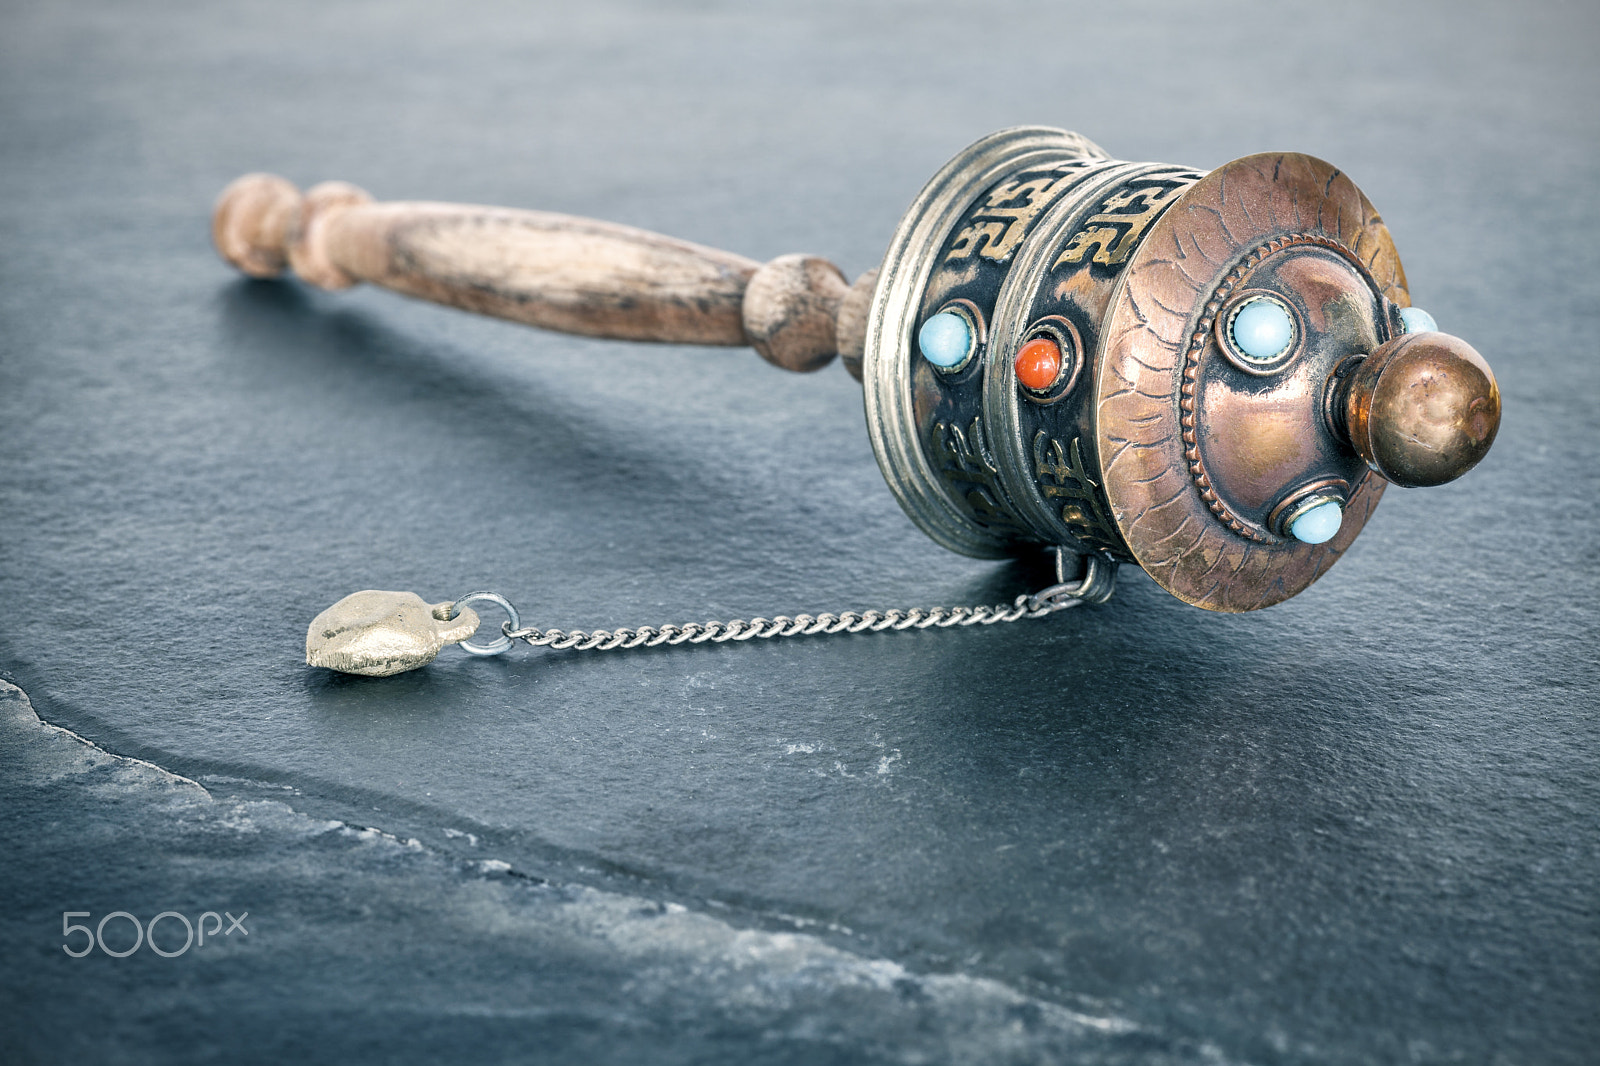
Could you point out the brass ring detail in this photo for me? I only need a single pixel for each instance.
(972, 314)
(1229, 346)
(1065, 334)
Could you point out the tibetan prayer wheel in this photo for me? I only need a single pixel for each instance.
(1212, 376)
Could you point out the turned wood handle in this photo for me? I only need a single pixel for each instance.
(555, 271)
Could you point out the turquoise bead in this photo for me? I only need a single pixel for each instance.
(1262, 330)
(945, 340)
(1416, 320)
(1318, 524)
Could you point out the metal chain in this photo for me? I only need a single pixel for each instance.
(1094, 587)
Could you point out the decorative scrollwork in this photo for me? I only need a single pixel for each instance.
(1116, 230)
(967, 465)
(1010, 209)
(1063, 476)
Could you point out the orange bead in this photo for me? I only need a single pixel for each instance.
(1039, 363)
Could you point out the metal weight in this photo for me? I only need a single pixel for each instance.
(379, 634)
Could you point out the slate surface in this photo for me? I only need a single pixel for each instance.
(1357, 827)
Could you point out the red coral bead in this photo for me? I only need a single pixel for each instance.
(1039, 363)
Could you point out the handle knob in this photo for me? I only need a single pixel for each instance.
(1422, 409)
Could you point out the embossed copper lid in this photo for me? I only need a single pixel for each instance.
(1206, 451)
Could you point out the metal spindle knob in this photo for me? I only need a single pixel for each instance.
(1422, 409)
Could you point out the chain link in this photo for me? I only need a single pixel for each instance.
(1094, 587)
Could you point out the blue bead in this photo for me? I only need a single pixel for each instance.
(1262, 330)
(945, 339)
(1318, 524)
(1416, 320)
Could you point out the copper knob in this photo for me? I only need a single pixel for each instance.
(1422, 409)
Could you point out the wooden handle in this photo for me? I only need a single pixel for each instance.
(575, 275)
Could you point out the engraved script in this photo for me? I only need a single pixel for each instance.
(1114, 231)
(964, 459)
(1062, 476)
(1007, 213)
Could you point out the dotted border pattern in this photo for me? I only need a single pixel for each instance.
(1145, 346)
(1197, 347)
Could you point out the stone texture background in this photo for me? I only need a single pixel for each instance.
(1356, 827)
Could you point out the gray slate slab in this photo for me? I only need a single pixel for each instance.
(1357, 827)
